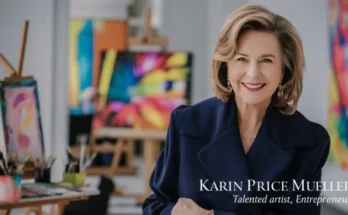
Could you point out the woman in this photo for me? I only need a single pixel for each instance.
(248, 150)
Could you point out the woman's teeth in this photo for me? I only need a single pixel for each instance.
(253, 86)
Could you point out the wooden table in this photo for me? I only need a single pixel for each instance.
(61, 201)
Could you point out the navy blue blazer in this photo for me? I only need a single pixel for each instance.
(203, 143)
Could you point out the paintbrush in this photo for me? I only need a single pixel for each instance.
(37, 162)
(12, 163)
(3, 163)
(82, 155)
(3, 159)
(50, 161)
(89, 162)
(70, 166)
(70, 156)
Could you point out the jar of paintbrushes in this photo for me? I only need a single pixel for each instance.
(75, 169)
(10, 179)
(43, 169)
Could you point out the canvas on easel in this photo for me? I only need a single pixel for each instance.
(22, 119)
(20, 110)
(140, 89)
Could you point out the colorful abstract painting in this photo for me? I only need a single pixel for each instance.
(141, 89)
(88, 38)
(338, 86)
(22, 119)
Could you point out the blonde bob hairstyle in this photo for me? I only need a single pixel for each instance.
(258, 18)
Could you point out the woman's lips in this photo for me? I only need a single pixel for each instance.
(254, 86)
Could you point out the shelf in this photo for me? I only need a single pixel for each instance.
(158, 41)
(130, 133)
(103, 170)
(102, 148)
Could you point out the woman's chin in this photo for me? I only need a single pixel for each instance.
(254, 100)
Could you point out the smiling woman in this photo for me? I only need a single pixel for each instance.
(260, 49)
(250, 131)
(256, 67)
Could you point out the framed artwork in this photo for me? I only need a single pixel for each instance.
(338, 85)
(22, 119)
(141, 89)
(88, 38)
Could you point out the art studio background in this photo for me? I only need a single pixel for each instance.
(69, 100)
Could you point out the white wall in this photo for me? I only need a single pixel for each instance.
(187, 25)
(99, 8)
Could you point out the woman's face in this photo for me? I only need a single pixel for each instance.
(255, 71)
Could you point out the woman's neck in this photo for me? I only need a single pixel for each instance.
(250, 116)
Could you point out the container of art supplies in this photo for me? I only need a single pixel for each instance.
(42, 175)
(75, 179)
(10, 188)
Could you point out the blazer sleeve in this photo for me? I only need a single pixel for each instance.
(164, 178)
(314, 174)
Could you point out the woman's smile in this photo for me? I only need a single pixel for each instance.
(254, 87)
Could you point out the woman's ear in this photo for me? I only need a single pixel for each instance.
(281, 77)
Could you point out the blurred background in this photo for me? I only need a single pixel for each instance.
(110, 71)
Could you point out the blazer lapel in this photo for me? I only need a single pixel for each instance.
(267, 156)
(223, 157)
(224, 160)
(267, 159)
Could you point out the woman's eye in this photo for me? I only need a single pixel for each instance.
(242, 59)
(267, 60)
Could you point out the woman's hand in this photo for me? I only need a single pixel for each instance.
(186, 206)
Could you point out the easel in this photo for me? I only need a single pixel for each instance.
(148, 39)
(124, 146)
(126, 137)
(151, 140)
(16, 76)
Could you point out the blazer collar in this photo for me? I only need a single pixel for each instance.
(223, 156)
(211, 118)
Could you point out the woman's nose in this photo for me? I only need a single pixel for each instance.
(253, 70)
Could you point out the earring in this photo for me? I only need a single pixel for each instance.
(280, 91)
(229, 87)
